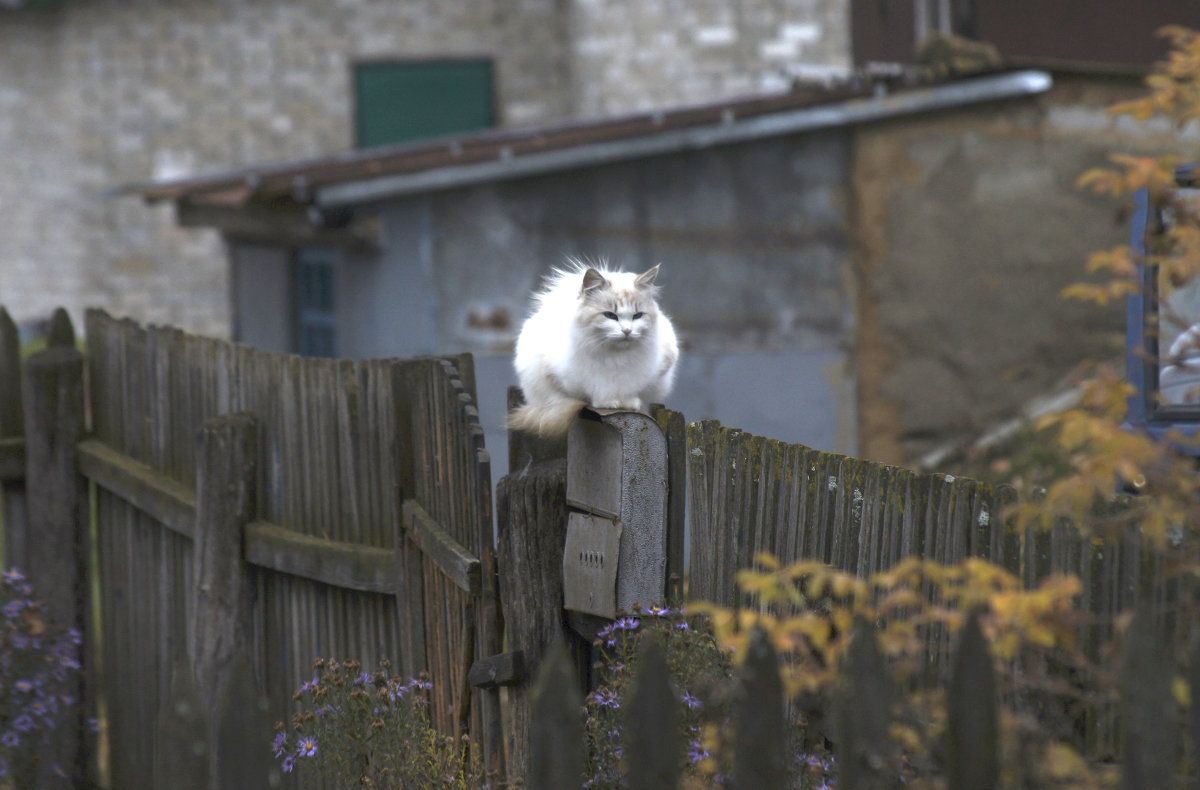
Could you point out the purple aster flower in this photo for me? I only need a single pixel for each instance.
(306, 747)
(10, 739)
(24, 722)
(691, 701)
(23, 686)
(607, 698)
(289, 763)
(697, 752)
(278, 744)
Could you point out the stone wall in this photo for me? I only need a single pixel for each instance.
(98, 93)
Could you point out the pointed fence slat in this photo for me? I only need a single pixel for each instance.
(653, 738)
(1148, 710)
(759, 745)
(862, 715)
(556, 757)
(973, 729)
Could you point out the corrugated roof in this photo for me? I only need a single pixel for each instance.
(363, 175)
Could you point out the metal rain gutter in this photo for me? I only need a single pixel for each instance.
(730, 130)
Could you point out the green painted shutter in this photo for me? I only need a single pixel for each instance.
(413, 100)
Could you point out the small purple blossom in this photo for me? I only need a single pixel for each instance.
(277, 745)
(607, 698)
(289, 763)
(690, 700)
(306, 747)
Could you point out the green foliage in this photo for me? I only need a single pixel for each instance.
(360, 729)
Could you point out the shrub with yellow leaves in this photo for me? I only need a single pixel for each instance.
(1048, 688)
(1103, 454)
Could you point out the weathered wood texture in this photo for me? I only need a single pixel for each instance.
(531, 509)
(56, 543)
(748, 494)
(12, 444)
(318, 490)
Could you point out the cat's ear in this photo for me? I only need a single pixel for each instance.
(646, 278)
(593, 280)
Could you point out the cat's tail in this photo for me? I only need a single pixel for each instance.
(548, 419)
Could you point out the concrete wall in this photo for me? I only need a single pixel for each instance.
(753, 243)
(968, 225)
(98, 93)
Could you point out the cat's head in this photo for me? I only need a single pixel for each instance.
(618, 307)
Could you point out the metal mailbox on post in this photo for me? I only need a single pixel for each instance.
(616, 546)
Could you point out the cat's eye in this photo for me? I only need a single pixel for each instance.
(636, 316)
(610, 315)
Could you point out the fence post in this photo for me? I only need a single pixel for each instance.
(556, 750)
(758, 757)
(973, 730)
(226, 477)
(653, 723)
(1151, 735)
(531, 523)
(57, 547)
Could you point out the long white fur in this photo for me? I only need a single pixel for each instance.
(569, 354)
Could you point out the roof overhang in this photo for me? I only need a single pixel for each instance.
(314, 200)
(730, 129)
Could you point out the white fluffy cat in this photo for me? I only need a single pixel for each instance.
(596, 338)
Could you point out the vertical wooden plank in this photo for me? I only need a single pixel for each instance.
(1151, 736)
(862, 715)
(12, 418)
(59, 329)
(653, 737)
(12, 426)
(181, 736)
(556, 758)
(790, 518)
(531, 511)
(243, 715)
(56, 561)
(759, 748)
(673, 425)
(702, 519)
(972, 749)
(226, 476)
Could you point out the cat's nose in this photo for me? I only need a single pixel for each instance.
(627, 330)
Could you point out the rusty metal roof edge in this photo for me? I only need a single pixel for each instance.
(852, 111)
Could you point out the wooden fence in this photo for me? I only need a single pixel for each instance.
(866, 757)
(748, 494)
(252, 512)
